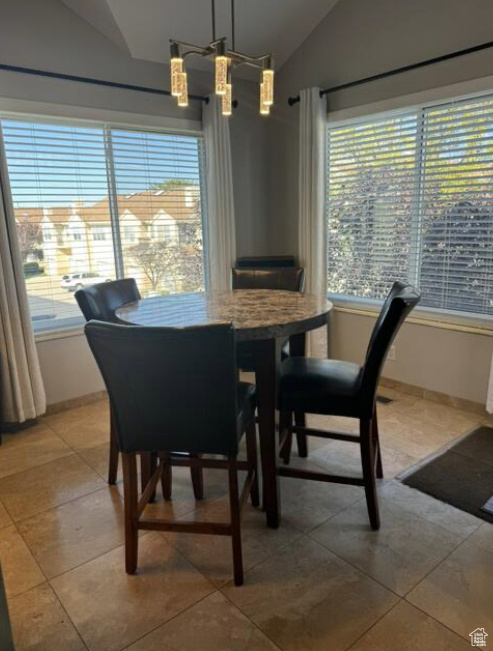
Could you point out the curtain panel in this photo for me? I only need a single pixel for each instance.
(221, 239)
(22, 393)
(312, 228)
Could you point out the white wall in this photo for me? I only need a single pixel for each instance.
(357, 39)
(47, 35)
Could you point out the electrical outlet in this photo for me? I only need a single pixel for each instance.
(391, 354)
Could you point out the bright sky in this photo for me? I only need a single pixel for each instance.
(53, 165)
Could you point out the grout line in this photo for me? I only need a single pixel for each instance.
(461, 542)
(353, 644)
(68, 617)
(168, 621)
(236, 607)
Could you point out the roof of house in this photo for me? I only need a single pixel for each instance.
(144, 205)
(58, 215)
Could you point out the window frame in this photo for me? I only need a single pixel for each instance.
(430, 315)
(107, 120)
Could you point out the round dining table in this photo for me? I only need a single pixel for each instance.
(266, 318)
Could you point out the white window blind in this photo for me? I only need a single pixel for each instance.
(95, 203)
(410, 197)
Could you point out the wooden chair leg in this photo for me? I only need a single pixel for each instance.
(301, 439)
(114, 452)
(167, 479)
(376, 440)
(234, 505)
(251, 442)
(148, 464)
(131, 501)
(368, 463)
(197, 480)
(285, 422)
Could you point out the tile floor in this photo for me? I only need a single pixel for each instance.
(323, 581)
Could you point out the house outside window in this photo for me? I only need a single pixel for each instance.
(154, 173)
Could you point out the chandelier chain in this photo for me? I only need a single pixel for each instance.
(213, 7)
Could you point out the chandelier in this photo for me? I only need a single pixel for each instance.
(225, 61)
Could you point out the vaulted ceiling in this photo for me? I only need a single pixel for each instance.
(144, 27)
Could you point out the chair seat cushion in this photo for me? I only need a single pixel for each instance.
(320, 386)
(247, 403)
(244, 355)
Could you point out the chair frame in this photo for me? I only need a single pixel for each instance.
(134, 507)
(148, 461)
(368, 439)
(371, 457)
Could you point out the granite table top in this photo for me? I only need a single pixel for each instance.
(255, 314)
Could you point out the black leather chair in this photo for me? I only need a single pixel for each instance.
(278, 272)
(291, 279)
(337, 388)
(176, 391)
(100, 302)
(265, 261)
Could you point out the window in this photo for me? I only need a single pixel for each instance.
(99, 233)
(85, 197)
(410, 196)
(129, 234)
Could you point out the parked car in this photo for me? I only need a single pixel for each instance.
(73, 282)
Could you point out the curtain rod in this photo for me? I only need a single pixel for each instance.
(95, 82)
(414, 66)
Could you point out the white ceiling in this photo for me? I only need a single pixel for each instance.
(144, 27)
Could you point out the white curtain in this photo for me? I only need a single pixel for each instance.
(23, 395)
(311, 219)
(220, 208)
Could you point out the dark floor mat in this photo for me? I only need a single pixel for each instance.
(461, 476)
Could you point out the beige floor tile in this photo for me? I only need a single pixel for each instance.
(111, 609)
(396, 461)
(341, 457)
(457, 522)
(47, 486)
(212, 555)
(411, 435)
(459, 592)
(307, 599)
(98, 458)
(396, 396)
(84, 427)
(484, 536)
(455, 421)
(74, 533)
(39, 622)
(211, 625)
(20, 570)
(306, 504)
(183, 500)
(408, 629)
(5, 518)
(28, 448)
(399, 555)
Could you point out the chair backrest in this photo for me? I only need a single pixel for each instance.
(265, 261)
(288, 278)
(100, 301)
(170, 389)
(401, 299)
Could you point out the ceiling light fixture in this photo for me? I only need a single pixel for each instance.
(225, 61)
